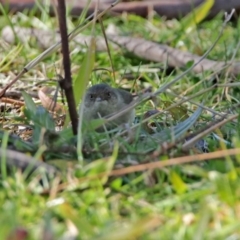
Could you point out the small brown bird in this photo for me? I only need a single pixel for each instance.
(101, 100)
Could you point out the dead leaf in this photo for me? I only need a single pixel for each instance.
(49, 103)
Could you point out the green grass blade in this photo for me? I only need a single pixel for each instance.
(30, 104)
(83, 76)
(197, 15)
(4, 157)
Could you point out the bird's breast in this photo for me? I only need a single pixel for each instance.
(104, 108)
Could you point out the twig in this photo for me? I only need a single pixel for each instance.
(12, 82)
(193, 140)
(156, 165)
(66, 83)
(195, 136)
(13, 101)
(194, 103)
(108, 49)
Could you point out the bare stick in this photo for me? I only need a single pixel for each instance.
(157, 165)
(108, 49)
(12, 82)
(193, 140)
(66, 83)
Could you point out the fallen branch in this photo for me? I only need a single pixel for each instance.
(142, 48)
(169, 9)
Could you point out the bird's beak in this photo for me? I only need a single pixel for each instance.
(98, 99)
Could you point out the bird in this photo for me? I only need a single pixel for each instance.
(102, 100)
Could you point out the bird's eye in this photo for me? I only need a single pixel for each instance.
(91, 96)
(108, 94)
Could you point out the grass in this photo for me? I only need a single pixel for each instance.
(186, 201)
